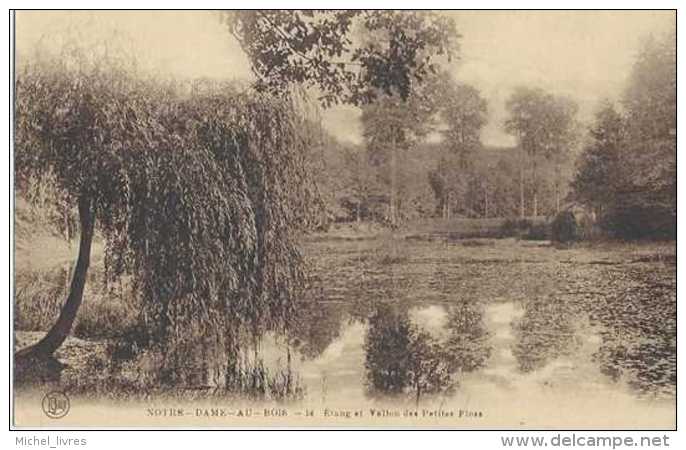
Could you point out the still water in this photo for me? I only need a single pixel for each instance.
(498, 333)
(582, 348)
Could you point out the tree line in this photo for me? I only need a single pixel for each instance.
(423, 157)
(399, 174)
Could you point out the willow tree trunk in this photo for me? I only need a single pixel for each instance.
(61, 329)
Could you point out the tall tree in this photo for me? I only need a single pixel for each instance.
(462, 114)
(328, 50)
(650, 96)
(448, 180)
(646, 199)
(543, 125)
(562, 133)
(354, 57)
(524, 107)
(596, 177)
(361, 181)
(391, 127)
(627, 173)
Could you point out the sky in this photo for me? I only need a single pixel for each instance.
(586, 55)
(185, 44)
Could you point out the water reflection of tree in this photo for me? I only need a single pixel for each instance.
(251, 378)
(468, 343)
(401, 359)
(544, 333)
(387, 347)
(316, 325)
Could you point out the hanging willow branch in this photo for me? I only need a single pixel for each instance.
(198, 191)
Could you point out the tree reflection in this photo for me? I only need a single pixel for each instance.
(316, 325)
(468, 342)
(401, 359)
(387, 348)
(544, 333)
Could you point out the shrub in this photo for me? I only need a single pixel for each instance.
(508, 228)
(38, 298)
(524, 229)
(104, 314)
(639, 222)
(524, 224)
(537, 232)
(564, 228)
(102, 317)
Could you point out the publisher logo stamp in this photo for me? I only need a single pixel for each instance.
(55, 404)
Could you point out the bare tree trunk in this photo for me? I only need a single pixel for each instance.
(447, 205)
(61, 329)
(361, 191)
(485, 201)
(557, 186)
(535, 187)
(394, 173)
(521, 187)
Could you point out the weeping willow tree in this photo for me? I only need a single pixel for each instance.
(196, 189)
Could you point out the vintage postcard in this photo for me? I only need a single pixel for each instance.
(344, 218)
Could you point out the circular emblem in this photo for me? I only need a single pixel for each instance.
(55, 404)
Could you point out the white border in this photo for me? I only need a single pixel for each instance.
(276, 439)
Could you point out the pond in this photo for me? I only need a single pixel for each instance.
(469, 333)
(514, 334)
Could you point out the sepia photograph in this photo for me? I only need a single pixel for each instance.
(366, 219)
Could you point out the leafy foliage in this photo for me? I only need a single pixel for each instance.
(392, 127)
(468, 347)
(463, 114)
(598, 163)
(565, 228)
(544, 125)
(322, 50)
(402, 358)
(628, 171)
(197, 189)
(529, 229)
